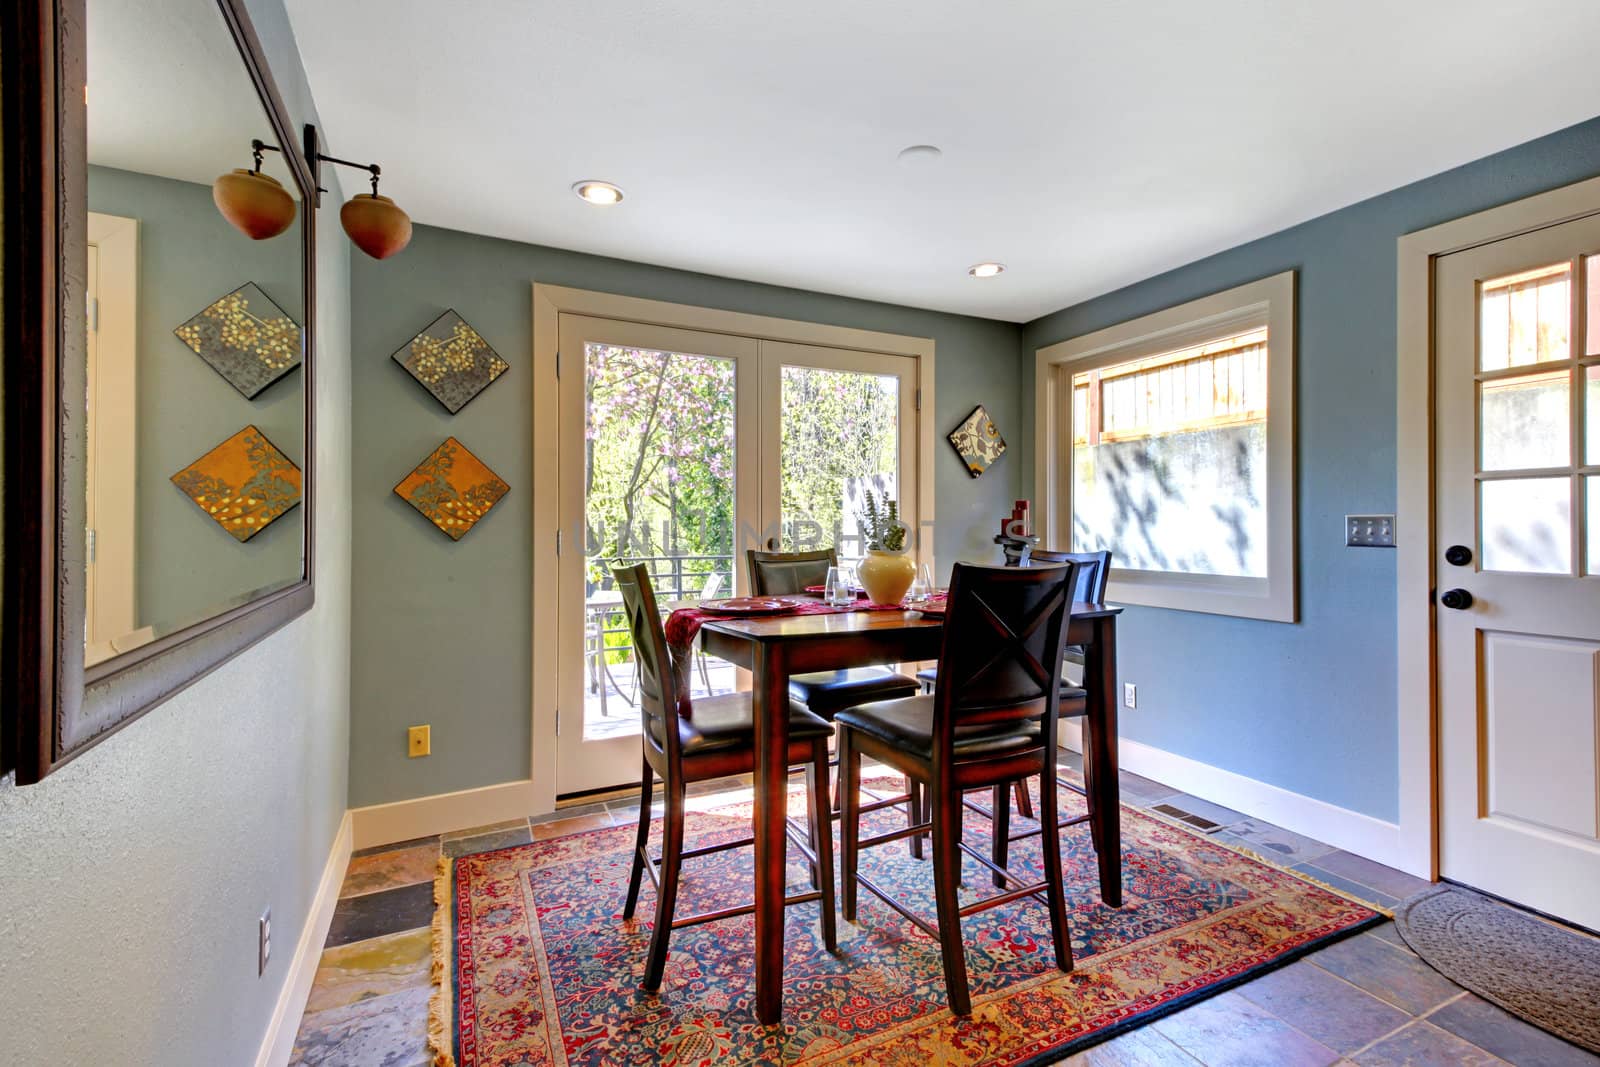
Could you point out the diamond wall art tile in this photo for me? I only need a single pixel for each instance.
(978, 442)
(244, 484)
(452, 488)
(246, 338)
(452, 361)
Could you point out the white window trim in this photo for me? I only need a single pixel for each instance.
(1270, 301)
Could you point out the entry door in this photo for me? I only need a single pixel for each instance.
(658, 466)
(1518, 568)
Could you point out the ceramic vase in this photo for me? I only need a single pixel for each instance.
(886, 575)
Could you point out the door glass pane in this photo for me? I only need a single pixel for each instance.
(658, 483)
(1527, 525)
(1591, 279)
(840, 437)
(1592, 414)
(1525, 318)
(1525, 422)
(1592, 491)
(1169, 459)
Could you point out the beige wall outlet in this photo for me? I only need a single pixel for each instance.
(420, 741)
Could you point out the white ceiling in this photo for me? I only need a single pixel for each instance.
(168, 94)
(1086, 146)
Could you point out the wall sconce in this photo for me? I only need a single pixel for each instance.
(259, 207)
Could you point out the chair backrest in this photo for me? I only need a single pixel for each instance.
(788, 573)
(1000, 661)
(660, 698)
(1094, 571)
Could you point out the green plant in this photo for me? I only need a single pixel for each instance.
(880, 523)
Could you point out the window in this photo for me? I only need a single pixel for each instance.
(1169, 441)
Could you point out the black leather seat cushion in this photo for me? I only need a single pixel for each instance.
(907, 724)
(1074, 701)
(827, 693)
(723, 722)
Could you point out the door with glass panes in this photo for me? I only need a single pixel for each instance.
(681, 450)
(1517, 343)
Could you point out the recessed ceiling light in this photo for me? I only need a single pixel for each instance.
(986, 270)
(595, 192)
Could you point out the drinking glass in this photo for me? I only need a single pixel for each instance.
(925, 581)
(917, 592)
(852, 584)
(835, 590)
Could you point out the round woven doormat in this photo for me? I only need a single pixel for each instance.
(1546, 974)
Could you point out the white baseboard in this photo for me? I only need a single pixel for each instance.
(1349, 830)
(382, 824)
(278, 1043)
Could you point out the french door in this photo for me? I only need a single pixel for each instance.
(680, 450)
(1517, 327)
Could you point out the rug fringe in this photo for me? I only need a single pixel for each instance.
(441, 1007)
(1266, 861)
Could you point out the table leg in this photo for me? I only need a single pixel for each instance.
(771, 697)
(1100, 674)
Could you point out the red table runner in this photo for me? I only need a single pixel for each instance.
(683, 626)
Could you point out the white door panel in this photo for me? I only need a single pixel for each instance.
(1517, 401)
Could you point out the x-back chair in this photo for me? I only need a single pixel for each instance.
(696, 740)
(990, 721)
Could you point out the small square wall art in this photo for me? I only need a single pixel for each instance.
(452, 361)
(978, 442)
(243, 485)
(246, 338)
(452, 488)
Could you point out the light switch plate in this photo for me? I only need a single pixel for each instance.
(1369, 531)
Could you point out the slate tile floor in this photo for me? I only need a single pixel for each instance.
(1366, 1000)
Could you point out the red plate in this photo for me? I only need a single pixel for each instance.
(746, 605)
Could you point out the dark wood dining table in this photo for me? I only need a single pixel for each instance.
(775, 647)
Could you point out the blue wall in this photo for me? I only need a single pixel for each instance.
(1309, 707)
(441, 630)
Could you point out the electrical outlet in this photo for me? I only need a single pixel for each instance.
(264, 942)
(419, 741)
(1130, 695)
(1369, 531)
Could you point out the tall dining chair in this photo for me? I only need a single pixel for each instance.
(1094, 571)
(825, 693)
(990, 721)
(688, 741)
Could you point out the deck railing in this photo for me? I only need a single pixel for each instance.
(676, 580)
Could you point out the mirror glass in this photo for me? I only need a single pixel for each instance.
(195, 403)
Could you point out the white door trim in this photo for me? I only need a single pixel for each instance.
(1414, 492)
(549, 303)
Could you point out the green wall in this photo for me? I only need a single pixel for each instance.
(189, 256)
(442, 630)
(132, 879)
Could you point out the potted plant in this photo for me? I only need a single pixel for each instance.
(886, 572)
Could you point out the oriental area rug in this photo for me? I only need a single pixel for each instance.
(535, 965)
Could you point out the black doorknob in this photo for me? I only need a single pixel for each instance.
(1458, 555)
(1456, 599)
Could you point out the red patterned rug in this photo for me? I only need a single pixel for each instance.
(539, 967)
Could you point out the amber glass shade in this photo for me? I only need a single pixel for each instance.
(375, 224)
(254, 202)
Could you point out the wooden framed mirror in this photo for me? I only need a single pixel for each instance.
(157, 363)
